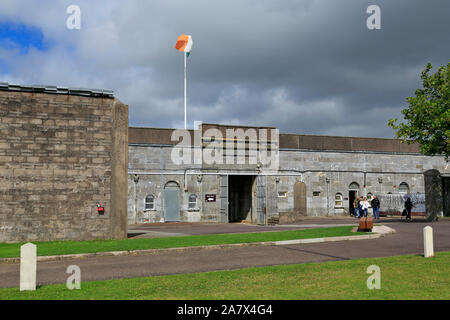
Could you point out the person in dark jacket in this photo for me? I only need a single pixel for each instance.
(408, 207)
(356, 207)
(375, 203)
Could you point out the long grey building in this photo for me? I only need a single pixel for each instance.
(198, 176)
(72, 169)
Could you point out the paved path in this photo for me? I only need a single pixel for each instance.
(407, 240)
(182, 229)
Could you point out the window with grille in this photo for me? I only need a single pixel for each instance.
(192, 202)
(338, 200)
(282, 194)
(150, 202)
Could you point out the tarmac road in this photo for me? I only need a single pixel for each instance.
(407, 240)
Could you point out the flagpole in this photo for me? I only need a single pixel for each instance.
(185, 102)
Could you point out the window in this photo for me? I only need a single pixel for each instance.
(192, 202)
(354, 186)
(150, 202)
(282, 194)
(403, 188)
(316, 193)
(338, 200)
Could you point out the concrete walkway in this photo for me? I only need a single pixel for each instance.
(183, 229)
(408, 239)
(377, 232)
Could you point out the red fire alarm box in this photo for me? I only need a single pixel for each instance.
(100, 209)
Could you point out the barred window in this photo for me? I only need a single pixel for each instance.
(338, 200)
(282, 194)
(150, 202)
(192, 201)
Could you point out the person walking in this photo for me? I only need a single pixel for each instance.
(408, 207)
(356, 207)
(375, 203)
(364, 206)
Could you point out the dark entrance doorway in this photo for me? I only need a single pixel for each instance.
(351, 199)
(353, 192)
(446, 187)
(240, 198)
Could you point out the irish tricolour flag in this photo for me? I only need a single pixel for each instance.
(184, 44)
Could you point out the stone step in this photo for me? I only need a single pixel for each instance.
(273, 221)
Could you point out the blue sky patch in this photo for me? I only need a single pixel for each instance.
(4, 68)
(22, 37)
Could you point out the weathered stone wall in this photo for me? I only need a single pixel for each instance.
(376, 173)
(59, 155)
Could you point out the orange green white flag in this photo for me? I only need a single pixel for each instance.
(184, 44)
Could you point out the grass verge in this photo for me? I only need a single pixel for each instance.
(74, 247)
(402, 277)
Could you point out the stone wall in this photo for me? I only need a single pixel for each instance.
(59, 155)
(375, 173)
(325, 173)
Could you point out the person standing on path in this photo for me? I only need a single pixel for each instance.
(375, 203)
(408, 207)
(365, 206)
(356, 207)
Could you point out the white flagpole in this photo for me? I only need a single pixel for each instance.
(185, 103)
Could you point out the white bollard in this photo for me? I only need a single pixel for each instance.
(428, 242)
(28, 260)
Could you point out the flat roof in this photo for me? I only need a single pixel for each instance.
(162, 136)
(5, 86)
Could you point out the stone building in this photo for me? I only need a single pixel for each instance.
(313, 176)
(62, 151)
(66, 152)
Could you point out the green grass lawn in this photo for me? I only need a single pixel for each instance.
(74, 247)
(402, 277)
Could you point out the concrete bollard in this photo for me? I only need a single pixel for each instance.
(28, 260)
(428, 242)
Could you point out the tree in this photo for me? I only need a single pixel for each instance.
(428, 115)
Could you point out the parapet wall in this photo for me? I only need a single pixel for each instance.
(60, 154)
(159, 136)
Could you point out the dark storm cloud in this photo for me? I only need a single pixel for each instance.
(303, 66)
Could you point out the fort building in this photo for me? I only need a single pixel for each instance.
(63, 154)
(72, 169)
(312, 176)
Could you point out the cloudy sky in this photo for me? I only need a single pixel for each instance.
(304, 66)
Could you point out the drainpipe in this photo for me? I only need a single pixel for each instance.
(136, 180)
(328, 196)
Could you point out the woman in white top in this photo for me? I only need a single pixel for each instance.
(365, 206)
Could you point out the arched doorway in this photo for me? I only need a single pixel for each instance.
(353, 192)
(172, 202)
(300, 198)
(403, 188)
